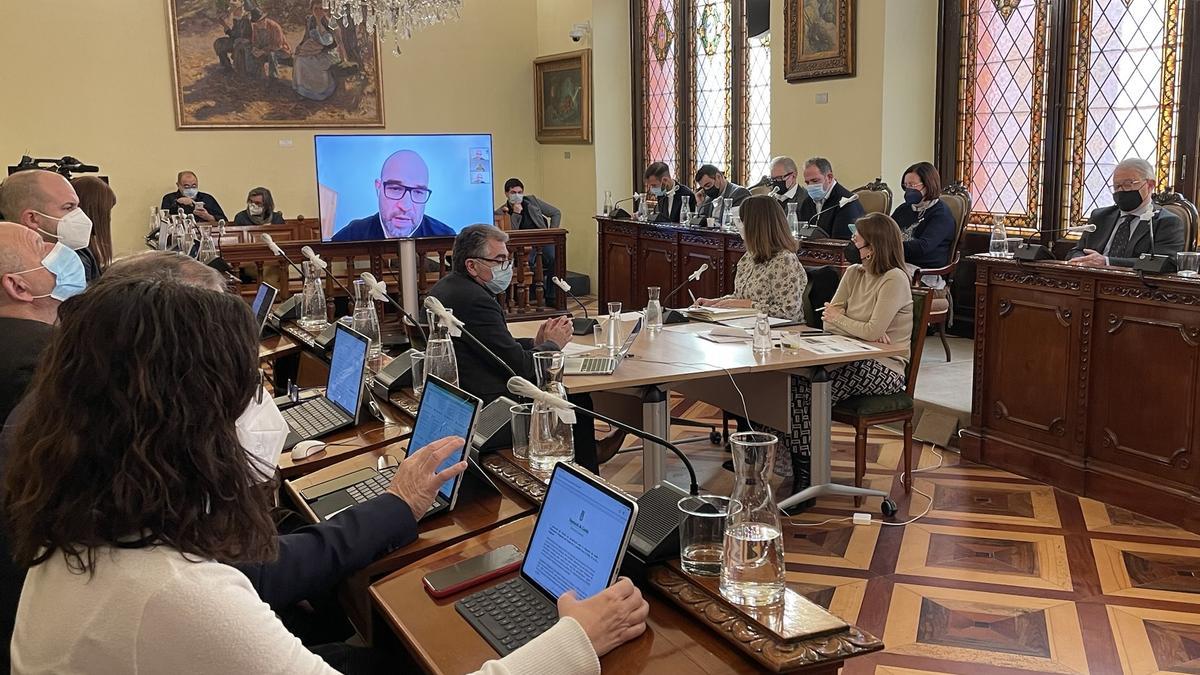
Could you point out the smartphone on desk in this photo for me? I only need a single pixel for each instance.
(473, 571)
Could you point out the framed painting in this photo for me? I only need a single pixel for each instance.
(818, 39)
(271, 63)
(562, 85)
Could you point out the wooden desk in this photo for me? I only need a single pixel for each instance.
(1089, 379)
(370, 436)
(634, 255)
(470, 517)
(441, 641)
(273, 347)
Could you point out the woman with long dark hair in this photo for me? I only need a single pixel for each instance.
(97, 200)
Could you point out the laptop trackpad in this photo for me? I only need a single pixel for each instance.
(331, 504)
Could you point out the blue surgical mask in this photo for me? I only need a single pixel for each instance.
(69, 277)
(657, 191)
(501, 278)
(816, 192)
(190, 192)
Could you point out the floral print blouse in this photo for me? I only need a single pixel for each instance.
(775, 287)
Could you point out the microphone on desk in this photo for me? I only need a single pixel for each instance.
(315, 259)
(671, 316)
(458, 328)
(622, 213)
(279, 252)
(812, 230)
(656, 531)
(1152, 263)
(290, 308)
(582, 326)
(378, 291)
(1027, 251)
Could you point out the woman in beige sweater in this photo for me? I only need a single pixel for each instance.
(873, 303)
(769, 277)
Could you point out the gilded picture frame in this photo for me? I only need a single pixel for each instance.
(562, 85)
(819, 39)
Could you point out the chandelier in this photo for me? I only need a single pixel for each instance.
(401, 18)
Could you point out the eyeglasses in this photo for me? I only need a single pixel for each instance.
(1129, 185)
(397, 191)
(915, 186)
(504, 263)
(790, 173)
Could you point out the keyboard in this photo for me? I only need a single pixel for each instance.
(372, 487)
(597, 364)
(314, 418)
(508, 615)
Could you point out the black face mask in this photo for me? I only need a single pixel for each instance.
(913, 197)
(853, 255)
(712, 192)
(779, 184)
(1128, 200)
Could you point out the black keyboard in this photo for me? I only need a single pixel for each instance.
(372, 487)
(314, 418)
(508, 615)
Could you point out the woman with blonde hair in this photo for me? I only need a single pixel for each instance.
(769, 277)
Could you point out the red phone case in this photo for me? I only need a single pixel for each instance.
(468, 583)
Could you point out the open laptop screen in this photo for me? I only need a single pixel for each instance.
(445, 411)
(262, 304)
(346, 370)
(580, 536)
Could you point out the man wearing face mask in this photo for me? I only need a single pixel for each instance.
(527, 212)
(785, 182)
(188, 197)
(45, 202)
(669, 193)
(716, 187)
(822, 206)
(1131, 226)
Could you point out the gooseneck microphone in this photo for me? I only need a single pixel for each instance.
(458, 327)
(316, 260)
(582, 326)
(694, 276)
(279, 252)
(1027, 251)
(378, 291)
(617, 212)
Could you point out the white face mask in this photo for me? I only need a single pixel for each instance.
(74, 229)
(262, 431)
(254, 209)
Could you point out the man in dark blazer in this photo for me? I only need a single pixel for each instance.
(822, 206)
(669, 192)
(402, 191)
(1131, 226)
(716, 187)
(187, 196)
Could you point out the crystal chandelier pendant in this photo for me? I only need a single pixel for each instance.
(401, 18)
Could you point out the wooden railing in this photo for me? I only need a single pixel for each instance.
(298, 229)
(347, 260)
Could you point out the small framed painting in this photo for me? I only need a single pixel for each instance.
(818, 39)
(563, 89)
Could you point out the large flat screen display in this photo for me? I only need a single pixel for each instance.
(375, 187)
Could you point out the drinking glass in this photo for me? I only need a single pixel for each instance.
(613, 329)
(1189, 263)
(598, 337)
(418, 373)
(702, 534)
(522, 415)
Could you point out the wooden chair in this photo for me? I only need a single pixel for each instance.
(875, 197)
(958, 200)
(864, 412)
(1180, 206)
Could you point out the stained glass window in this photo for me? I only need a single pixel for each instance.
(1002, 104)
(659, 96)
(1126, 95)
(711, 83)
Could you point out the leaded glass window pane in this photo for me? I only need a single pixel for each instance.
(659, 67)
(711, 75)
(758, 109)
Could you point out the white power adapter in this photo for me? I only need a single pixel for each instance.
(862, 519)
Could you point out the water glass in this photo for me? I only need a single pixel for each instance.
(1189, 263)
(522, 415)
(613, 330)
(702, 534)
(598, 337)
(418, 373)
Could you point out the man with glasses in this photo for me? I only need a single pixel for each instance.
(785, 185)
(1132, 226)
(403, 191)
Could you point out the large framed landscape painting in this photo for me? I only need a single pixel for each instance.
(563, 87)
(818, 39)
(271, 63)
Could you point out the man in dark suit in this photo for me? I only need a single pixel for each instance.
(822, 206)
(1131, 227)
(187, 196)
(402, 190)
(716, 187)
(670, 193)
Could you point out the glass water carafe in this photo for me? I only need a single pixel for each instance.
(550, 438)
(654, 310)
(752, 571)
(440, 360)
(365, 320)
(793, 220)
(313, 313)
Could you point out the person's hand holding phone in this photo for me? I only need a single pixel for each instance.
(417, 479)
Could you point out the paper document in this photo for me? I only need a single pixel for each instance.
(831, 344)
(723, 339)
(576, 349)
(748, 322)
(720, 313)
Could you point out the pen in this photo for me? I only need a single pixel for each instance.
(693, 295)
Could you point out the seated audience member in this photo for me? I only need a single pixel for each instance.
(822, 206)
(260, 209)
(45, 201)
(187, 196)
(769, 276)
(785, 183)
(1123, 231)
(129, 549)
(715, 187)
(873, 303)
(402, 191)
(668, 191)
(927, 226)
(483, 270)
(97, 200)
(527, 212)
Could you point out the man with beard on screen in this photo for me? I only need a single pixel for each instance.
(403, 190)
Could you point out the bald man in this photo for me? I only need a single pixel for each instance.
(45, 202)
(188, 198)
(402, 190)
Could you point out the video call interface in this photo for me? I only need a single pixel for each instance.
(373, 187)
(577, 538)
(346, 371)
(442, 414)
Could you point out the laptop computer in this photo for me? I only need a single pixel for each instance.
(601, 365)
(339, 407)
(445, 411)
(262, 305)
(577, 544)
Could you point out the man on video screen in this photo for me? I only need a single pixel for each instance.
(403, 190)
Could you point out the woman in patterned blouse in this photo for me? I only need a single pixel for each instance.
(769, 277)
